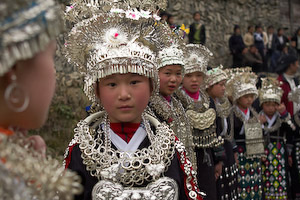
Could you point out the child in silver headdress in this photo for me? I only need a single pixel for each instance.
(202, 116)
(272, 116)
(122, 152)
(247, 132)
(164, 105)
(215, 84)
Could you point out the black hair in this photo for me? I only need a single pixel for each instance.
(285, 62)
(164, 13)
(236, 27)
(195, 13)
(257, 27)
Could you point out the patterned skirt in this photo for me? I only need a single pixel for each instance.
(227, 182)
(274, 172)
(249, 176)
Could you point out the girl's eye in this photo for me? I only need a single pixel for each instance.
(178, 74)
(134, 82)
(112, 84)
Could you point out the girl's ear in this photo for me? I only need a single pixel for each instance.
(151, 85)
(7, 77)
(96, 87)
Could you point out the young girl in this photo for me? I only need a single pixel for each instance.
(200, 110)
(164, 105)
(27, 82)
(215, 86)
(245, 127)
(272, 115)
(122, 152)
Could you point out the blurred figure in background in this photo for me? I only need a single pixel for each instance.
(248, 37)
(197, 30)
(236, 46)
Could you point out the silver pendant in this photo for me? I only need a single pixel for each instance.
(162, 189)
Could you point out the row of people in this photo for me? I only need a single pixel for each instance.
(260, 50)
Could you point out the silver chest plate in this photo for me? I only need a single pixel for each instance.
(162, 189)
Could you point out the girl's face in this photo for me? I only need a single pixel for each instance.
(192, 81)
(269, 108)
(170, 78)
(36, 77)
(124, 96)
(246, 101)
(294, 67)
(217, 90)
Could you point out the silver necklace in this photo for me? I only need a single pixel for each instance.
(127, 168)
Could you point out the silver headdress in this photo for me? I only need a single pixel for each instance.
(270, 90)
(214, 76)
(26, 27)
(170, 49)
(196, 57)
(109, 44)
(84, 9)
(242, 82)
(171, 55)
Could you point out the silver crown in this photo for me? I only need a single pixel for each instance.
(111, 43)
(26, 27)
(197, 57)
(172, 55)
(270, 90)
(214, 76)
(242, 81)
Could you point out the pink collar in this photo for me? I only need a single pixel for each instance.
(195, 95)
(168, 98)
(244, 111)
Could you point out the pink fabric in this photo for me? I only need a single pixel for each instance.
(244, 111)
(195, 95)
(168, 98)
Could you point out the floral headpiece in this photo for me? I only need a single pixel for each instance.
(214, 76)
(197, 57)
(270, 90)
(242, 82)
(26, 28)
(109, 44)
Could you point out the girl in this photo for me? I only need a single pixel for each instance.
(200, 110)
(272, 115)
(27, 82)
(215, 87)
(245, 127)
(122, 152)
(164, 105)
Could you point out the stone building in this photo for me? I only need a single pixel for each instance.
(220, 16)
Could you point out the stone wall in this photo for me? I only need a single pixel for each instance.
(220, 16)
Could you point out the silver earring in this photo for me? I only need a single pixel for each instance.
(15, 97)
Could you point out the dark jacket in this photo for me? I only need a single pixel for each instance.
(281, 45)
(236, 44)
(193, 32)
(273, 43)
